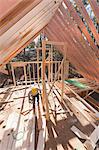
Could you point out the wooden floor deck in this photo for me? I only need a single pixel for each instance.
(17, 121)
(63, 115)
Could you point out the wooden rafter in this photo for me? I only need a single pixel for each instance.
(63, 37)
(18, 40)
(95, 8)
(19, 10)
(17, 51)
(80, 24)
(88, 20)
(29, 22)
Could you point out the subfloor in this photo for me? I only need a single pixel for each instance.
(64, 115)
(16, 115)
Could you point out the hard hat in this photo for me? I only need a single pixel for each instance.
(34, 91)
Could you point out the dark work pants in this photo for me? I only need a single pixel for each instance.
(34, 100)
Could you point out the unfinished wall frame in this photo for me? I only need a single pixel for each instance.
(44, 70)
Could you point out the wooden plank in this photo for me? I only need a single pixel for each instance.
(18, 64)
(94, 137)
(80, 134)
(82, 100)
(56, 75)
(29, 20)
(49, 66)
(63, 37)
(38, 115)
(12, 123)
(51, 63)
(41, 138)
(7, 56)
(29, 72)
(15, 14)
(38, 66)
(44, 96)
(54, 43)
(80, 24)
(32, 136)
(76, 144)
(88, 20)
(25, 74)
(18, 134)
(83, 109)
(95, 8)
(13, 75)
(63, 72)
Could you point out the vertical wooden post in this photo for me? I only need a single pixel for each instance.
(30, 72)
(38, 65)
(66, 68)
(59, 71)
(63, 74)
(62, 71)
(49, 66)
(51, 63)
(33, 71)
(25, 74)
(55, 68)
(44, 95)
(13, 75)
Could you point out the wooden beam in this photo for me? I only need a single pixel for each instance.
(13, 75)
(49, 67)
(38, 65)
(88, 20)
(25, 74)
(15, 14)
(95, 8)
(51, 63)
(73, 58)
(29, 65)
(4, 71)
(44, 96)
(29, 21)
(30, 35)
(81, 25)
(56, 76)
(63, 72)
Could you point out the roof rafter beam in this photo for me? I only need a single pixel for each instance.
(27, 20)
(16, 13)
(95, 8)
(77, 34)
(80, 24)
(88, 20)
